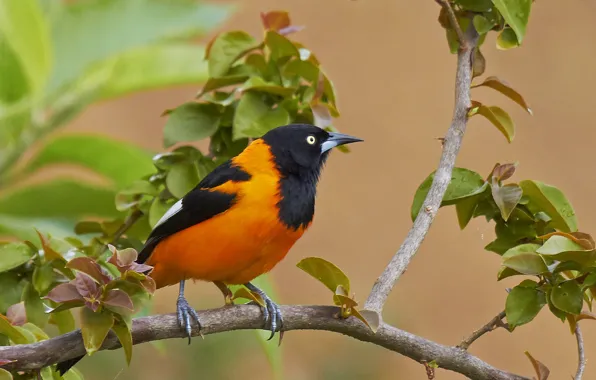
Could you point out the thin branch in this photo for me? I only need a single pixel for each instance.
(453, 19)
(451, 146)
(493, 324)
(581, 354)
(242, 317)
(132, 219)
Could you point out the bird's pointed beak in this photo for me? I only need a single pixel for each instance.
(336, 139)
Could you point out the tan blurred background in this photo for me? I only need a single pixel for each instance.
(394, 75)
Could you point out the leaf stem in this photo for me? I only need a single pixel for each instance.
(463, 41)
(493, 324)
(581, 354)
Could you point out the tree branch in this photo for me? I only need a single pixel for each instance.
(581, 365)
(451, 146)
(241, 317)
(494, 323)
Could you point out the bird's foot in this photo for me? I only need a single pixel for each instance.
(271, 312)
(185, 313)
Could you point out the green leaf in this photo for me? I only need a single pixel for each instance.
(13, 255)
(280, 46)
(254, 117)
(5, 375)
(58, 198)
(12, 285)
(154, 22)
(182, 178)
(124, 335)
(552, 201)
(505, 89)
(522, 248)
(326, 272)
(507, 39)
(464, 183)
(157, 210)
(498, 117)
(465, 209)
(63, 320)
(14, 85)
(482, 24)
(523, 304)
(506, 197)
(95, 328)
(216, 83)
(526, 263)
(119, 161)
(153, 67)
(476, 5)
(258, 84)
(23, 25)
(12, 332)
(564, 249)
(43, 277)
(36, 331)
(34, 306)
(226, 49)
(568, 297)
(191, 122)
(516, 13)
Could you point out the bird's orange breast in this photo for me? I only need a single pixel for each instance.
(237, 245)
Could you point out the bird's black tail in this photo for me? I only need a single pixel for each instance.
(64, 366)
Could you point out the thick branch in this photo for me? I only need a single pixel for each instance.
(494, 323)
(581, 354)
(451, 146)
(68, 346)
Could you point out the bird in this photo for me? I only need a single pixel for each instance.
(240, 220)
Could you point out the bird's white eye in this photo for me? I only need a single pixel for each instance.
(311, 139)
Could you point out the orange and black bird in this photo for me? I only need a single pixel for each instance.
(241, 219)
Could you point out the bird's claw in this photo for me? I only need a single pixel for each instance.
(271, 315)
(185, 312)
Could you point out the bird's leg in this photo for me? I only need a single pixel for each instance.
(185, 313)
(271, 312)
(227, 293)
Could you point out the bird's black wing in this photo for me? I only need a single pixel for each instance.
(197, 206)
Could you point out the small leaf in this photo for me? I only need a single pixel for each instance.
(516, 13)
(242, 292)
(118, 301)
(505, 89)
(226, 49)
(64, 293)
(34, 306)
(182, 178)
(541, 370)
(562, 248)
(13, 255)
(506, 197)
(275, 20)
(158, 208)
(4, 374)
(191, 122)
(370, 318)
(124, 335)
(254, 118)
(95, 328)
(475, 5)
(258, 84)
(465, 209)
(498, 117)
(478, 63)
(49, 252)
(16, 314)
(37, 332)
(89, 267)
(464, 183)
(507, 39)
(329, 274)
(567, 297)
(552, 201)
(526, 263)
(280, 46)
(503, 172)
(63, 320)
(12, 332)
(219, 82)
(86, 286)
(43, 277)
(482, 24)
(523, 304)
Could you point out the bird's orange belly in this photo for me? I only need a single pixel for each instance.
(234, 247)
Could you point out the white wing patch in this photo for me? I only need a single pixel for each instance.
(176, 207)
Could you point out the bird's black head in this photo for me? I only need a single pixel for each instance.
(303, 148)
